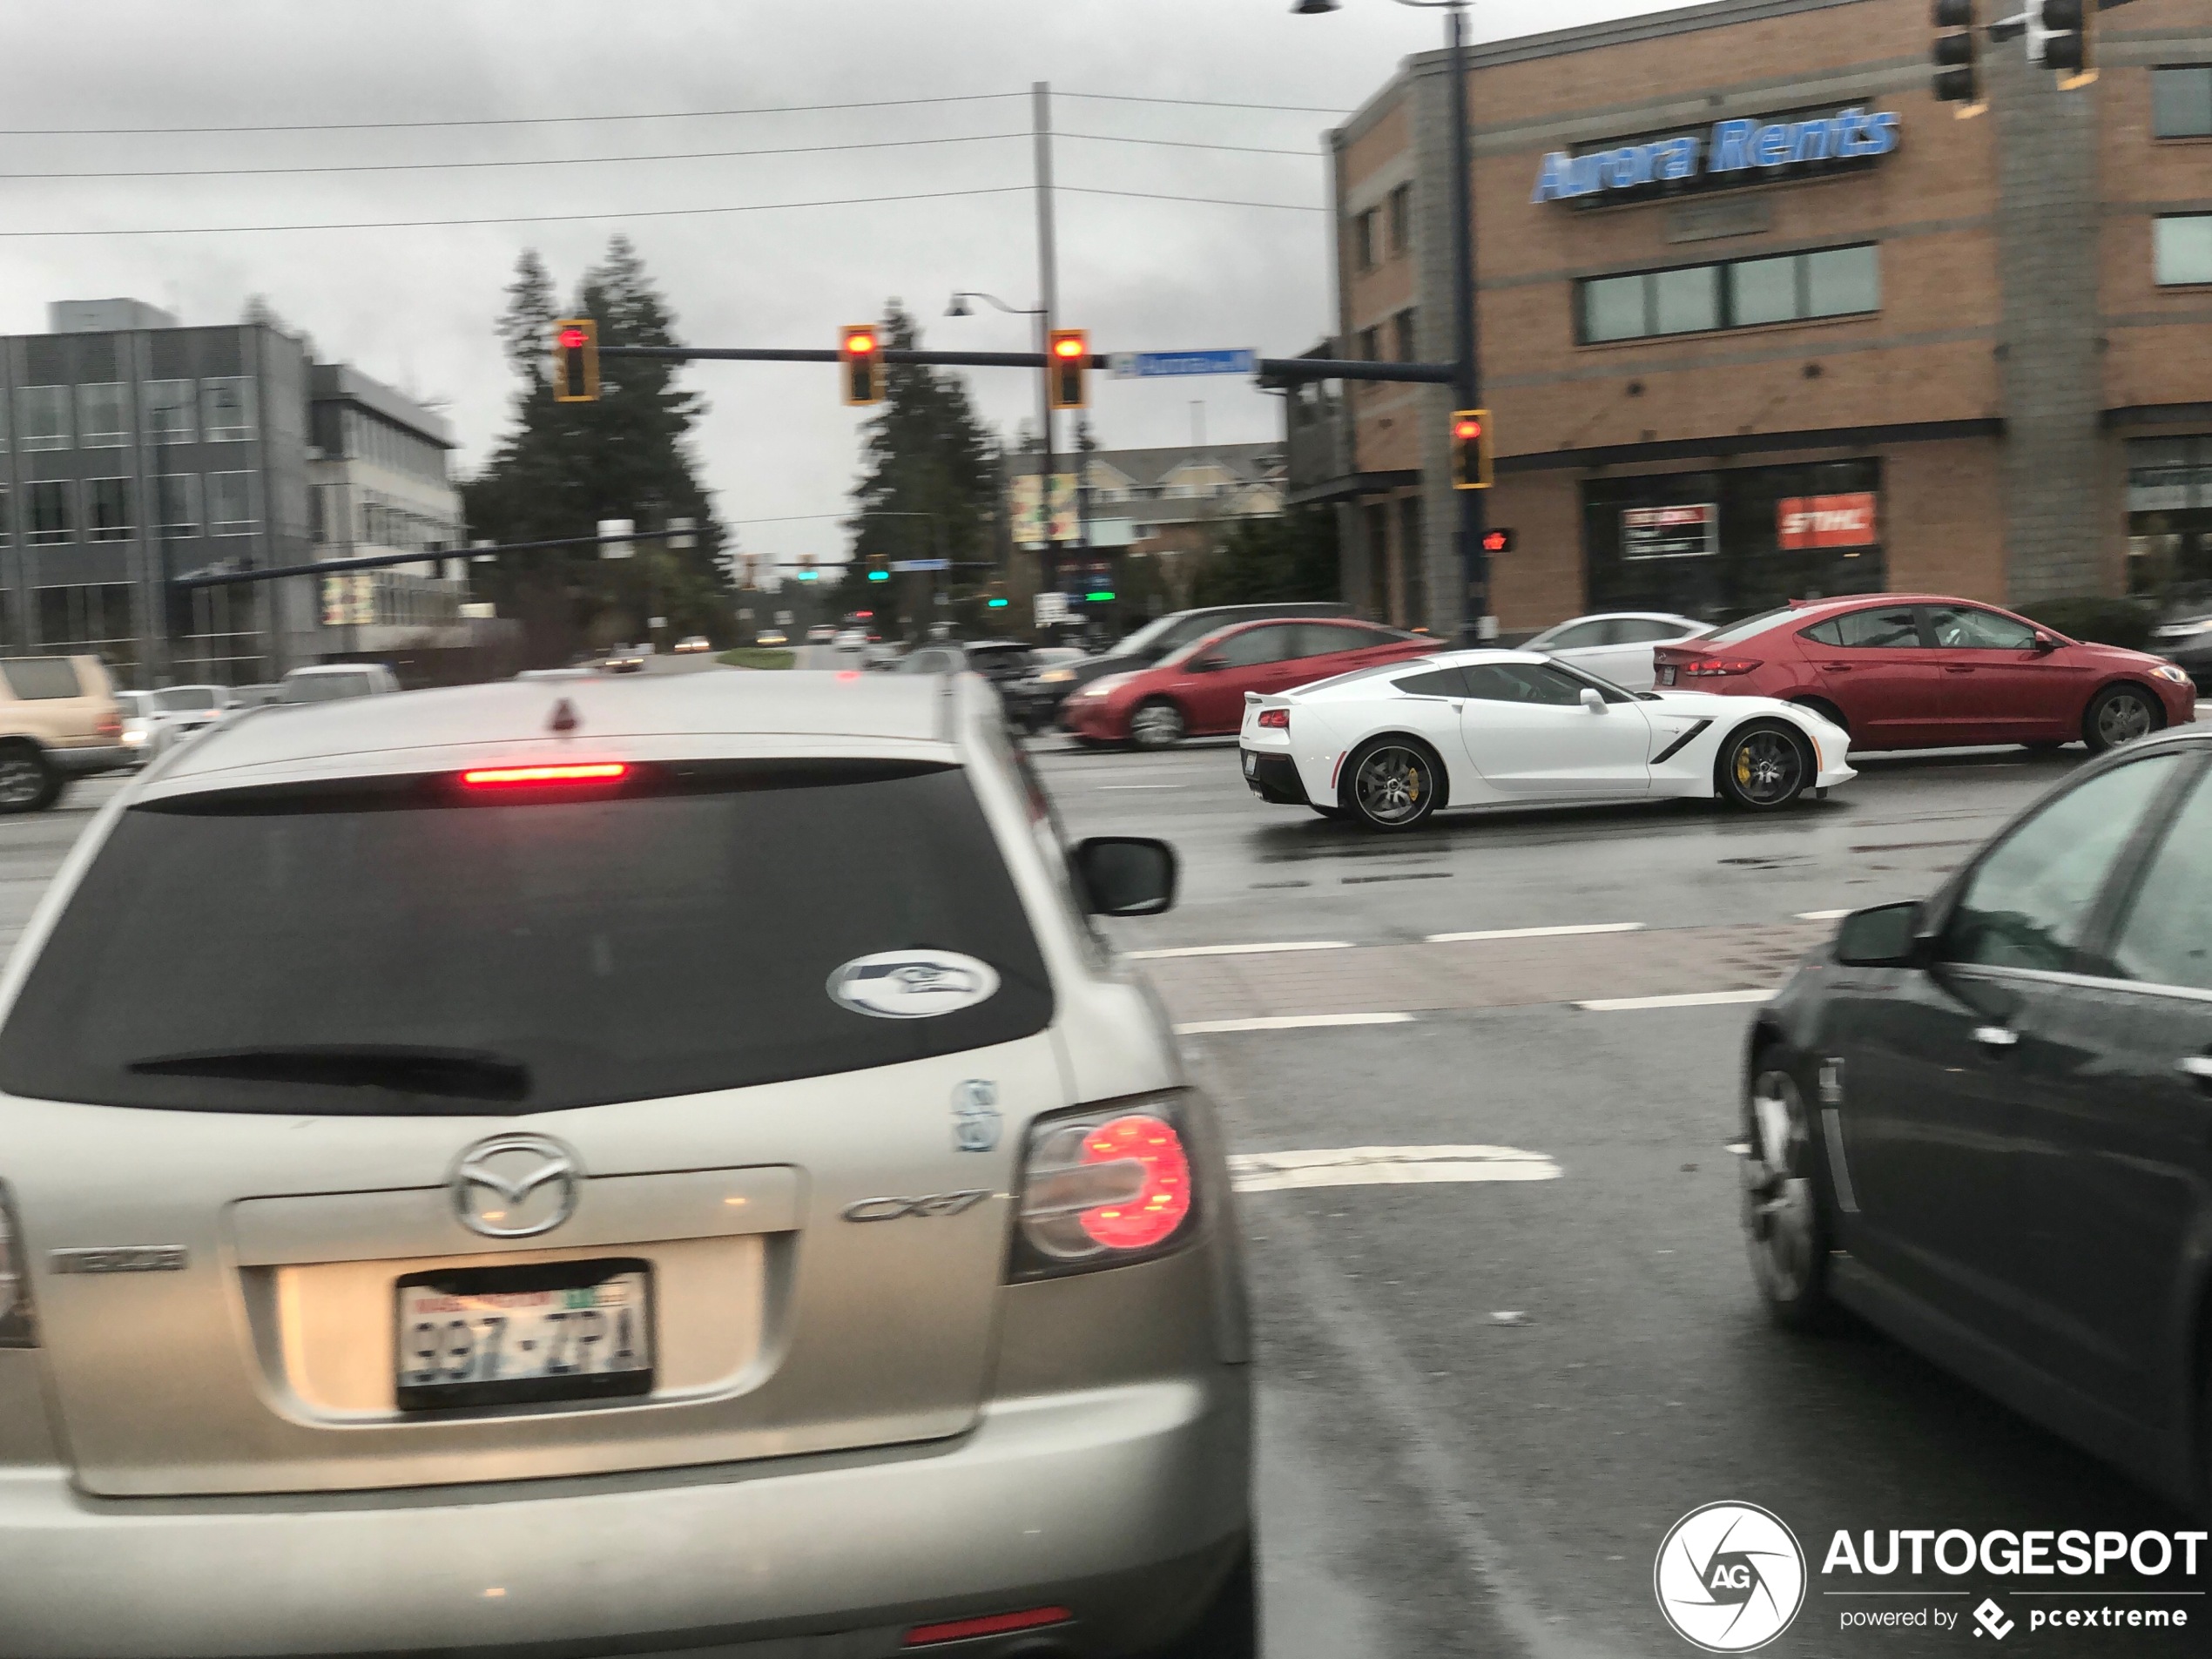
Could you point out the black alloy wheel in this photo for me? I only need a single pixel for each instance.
(1394, 784)
(2120, 714)
(1764, 767)
(1785, 1224)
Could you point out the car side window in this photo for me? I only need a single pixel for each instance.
(1439, 682)
(1522, 682)
(1257, 646)
(2167, 938)
(1830, 632)
(1885, 627)
(1582, 634)
(1974, 629)
(2030, 902)
(1649, 631)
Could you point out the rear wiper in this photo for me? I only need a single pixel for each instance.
(466, 1074)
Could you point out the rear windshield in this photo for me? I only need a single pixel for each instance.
(1736, 631)
(38, 678)
(184, 699)
(325, 688)
(407, 950)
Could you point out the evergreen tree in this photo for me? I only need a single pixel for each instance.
(563, 467)
(1272, 561)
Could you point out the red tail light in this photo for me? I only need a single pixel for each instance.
(110, 725)
(1103, 1187)
(1275, 719)
(1704, 667)
(604, 772)
(991, 1624)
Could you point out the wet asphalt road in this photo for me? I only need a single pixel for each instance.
(1434, 1479)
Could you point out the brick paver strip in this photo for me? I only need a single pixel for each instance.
(1487, 974)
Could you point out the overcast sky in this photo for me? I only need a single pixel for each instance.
(415, 306)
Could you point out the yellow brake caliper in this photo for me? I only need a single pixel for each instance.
(1743, 764)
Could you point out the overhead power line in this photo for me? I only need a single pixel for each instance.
(1204, 103)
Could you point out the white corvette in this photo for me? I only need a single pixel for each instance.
(1388, 745)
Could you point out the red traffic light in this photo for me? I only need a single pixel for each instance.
(1497, 541)
(860, 342)
(1068, 348)
(573, 339)
(1467, 431)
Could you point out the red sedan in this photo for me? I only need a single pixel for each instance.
(1920, 672)
(1199, 691)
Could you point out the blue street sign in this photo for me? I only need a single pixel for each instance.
(1158, 364)
(921, 564)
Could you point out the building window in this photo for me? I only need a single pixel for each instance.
(2170, 517)
(169, 411)
(1371, 345)
(227, 408)
(104, 415)
(1363, 239)
(107, 510)
(2180, 102)
(1743, 294)
(1401, 219)
(7, 517)
(176, 503)
(49, 516)
(230, 504)
(91, 613)
(2182, 249)
(44, 416)
(1406, 333)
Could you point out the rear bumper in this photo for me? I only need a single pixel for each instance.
(1125, 1504)
(1274, 779)
(78, 762)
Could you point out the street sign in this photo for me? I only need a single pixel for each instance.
(1052, 608)
(906, 565)
(616, 527)
(680, 533)
(1161, 365)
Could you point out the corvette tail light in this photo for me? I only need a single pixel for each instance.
(1275, 719)
(18, 1327)
(1101, 1187)
(1709, 667)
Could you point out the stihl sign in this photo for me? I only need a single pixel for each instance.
(1826, 521)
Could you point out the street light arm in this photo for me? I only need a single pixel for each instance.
(1011, 311)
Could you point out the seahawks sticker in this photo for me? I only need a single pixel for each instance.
(912, 984)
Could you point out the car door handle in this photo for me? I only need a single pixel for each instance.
(1835, 668)
(1958, 668)
(1996, 1036)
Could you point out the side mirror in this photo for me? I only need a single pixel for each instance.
(1124, 876)
(2044, 643)
(1886, 936)
(1593, 700)
(1209, 664)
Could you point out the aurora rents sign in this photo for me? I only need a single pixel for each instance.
(1734, 152)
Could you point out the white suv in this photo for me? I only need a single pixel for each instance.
(610, 1166)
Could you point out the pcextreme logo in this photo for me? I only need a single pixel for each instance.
(1730, 1577)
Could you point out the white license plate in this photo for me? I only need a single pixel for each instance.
(504, 1335)
(1251, 765)
(1666, 677)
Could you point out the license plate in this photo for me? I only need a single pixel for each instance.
(1251, 765)
(1666, 677)
(500, 1336)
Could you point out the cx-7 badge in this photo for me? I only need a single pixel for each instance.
(937, 1204)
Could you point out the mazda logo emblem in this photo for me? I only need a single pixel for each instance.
(516, 1186)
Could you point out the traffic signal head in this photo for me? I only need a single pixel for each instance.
(2070, 39)
(576, 360)
(878, 571)
(1067, 363)
(1471, 457)
(1497, 541)
(859, 351)
(1957, 57)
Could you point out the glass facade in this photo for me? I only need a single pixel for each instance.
(2170, 517)
(1723, 552)
(1740, 293)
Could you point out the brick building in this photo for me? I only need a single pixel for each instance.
(1761, 318)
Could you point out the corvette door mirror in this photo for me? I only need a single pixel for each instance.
(1126, 875)
(1886, 936)
(1593, 700)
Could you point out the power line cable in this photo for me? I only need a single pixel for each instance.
(1155, 196)
(1204, 103)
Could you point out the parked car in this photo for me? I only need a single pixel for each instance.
(1978, 1121)
(1616, 645)
(1922, 671)
(1159, 639)
(177, 712)
(768, 637)
(691, 644)
(1031, 702)
(1388, 746)
(58, 720)
(821, 633)
(330, 682)
(2183, 633)
(486, 1250)
(1199, 689)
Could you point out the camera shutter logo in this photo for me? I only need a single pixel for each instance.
(1730, 1577)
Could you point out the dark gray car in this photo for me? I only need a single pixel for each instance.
(1156, 641)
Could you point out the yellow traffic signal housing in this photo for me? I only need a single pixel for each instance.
(1472, 466)
(1067, 368)
(2070, 47)
(1957, 57)
(576, 360)
(860, 350)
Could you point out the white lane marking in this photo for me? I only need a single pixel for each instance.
(1140, 786)
(1290, 1022)
(1386, 1166)
(1822, 915)
(1238, 950)
(1691, 1000)
(1539, 932)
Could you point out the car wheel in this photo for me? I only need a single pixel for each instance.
(1764, 767)
(1229, 1628)
(1784, 1222)
(1392, 784)
(28, 784)
(2119, 714)
(1158, 724)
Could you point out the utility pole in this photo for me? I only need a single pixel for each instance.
(1048, 302)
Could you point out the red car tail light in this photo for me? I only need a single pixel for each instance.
(1275, 719)
(1103, 1187)
(110, 725)
(1706, 667)
(991, 1624)
(602, 772)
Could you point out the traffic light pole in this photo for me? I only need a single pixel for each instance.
(1048, 303)
(1479, 624)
